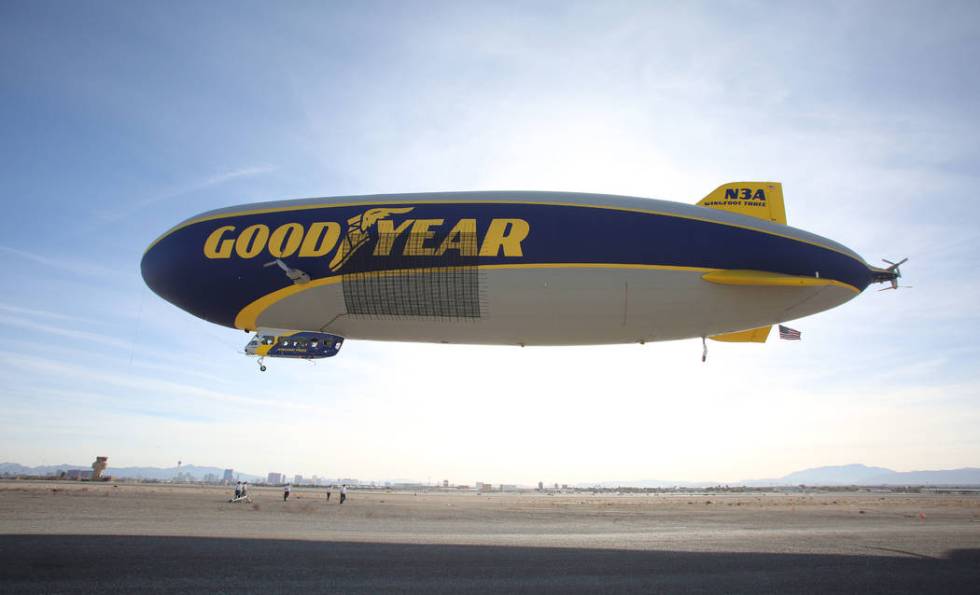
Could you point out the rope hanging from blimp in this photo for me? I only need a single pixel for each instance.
(136, 335)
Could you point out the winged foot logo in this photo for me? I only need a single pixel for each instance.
(317, 239)
(358, 233)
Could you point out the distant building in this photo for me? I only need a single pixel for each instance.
(298, 479)
(274, 478)
(445, 483)
(210, 478)
(78, 474)
(484, 487)
(229, 476)
(414, 487)
(540, 486)
(99, 466)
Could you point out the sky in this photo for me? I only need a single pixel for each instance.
(119, 120)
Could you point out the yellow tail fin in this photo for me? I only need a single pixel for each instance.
(753, 335)
(763, 200)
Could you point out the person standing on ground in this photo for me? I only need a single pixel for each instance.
(343, 493)
(285, 493)
(238, 490)
(328, 494)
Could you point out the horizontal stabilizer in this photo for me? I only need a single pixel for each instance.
(762, 200)
(753, 335)
(765, 279)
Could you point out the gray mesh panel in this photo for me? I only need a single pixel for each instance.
(413, 286)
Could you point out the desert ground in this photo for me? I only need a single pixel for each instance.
(126, 537)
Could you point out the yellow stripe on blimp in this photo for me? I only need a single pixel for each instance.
(248, 315)
(766, 279)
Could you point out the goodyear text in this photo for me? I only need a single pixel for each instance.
(420, 237)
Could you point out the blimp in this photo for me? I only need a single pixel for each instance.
(504, 268)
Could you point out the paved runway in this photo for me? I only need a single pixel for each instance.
(70, 538)
(128, 564)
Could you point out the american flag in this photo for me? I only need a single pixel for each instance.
(789, 334)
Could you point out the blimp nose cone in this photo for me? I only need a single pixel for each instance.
(176, 270)
(161, 269)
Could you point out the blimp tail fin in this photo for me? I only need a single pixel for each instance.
(763, 200)
(754, 335)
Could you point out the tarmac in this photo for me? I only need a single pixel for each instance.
(69, 537)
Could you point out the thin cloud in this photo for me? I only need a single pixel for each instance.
(209, 182)
(86, 269)
(78, 354)
(121, 404)
(142, 383)
(244, 172)
(65, 332)
(42, 313)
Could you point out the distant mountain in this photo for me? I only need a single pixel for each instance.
(864, 475)
(960, 477)
(835, 475)
(855, 474)
(157, 473)
(18, 469)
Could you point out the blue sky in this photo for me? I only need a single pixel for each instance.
(119, 121)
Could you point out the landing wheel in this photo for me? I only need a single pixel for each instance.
(261, 368)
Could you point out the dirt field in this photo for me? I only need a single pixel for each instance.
(70, 537)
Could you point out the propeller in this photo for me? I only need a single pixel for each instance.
(893, 273)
